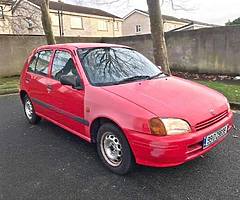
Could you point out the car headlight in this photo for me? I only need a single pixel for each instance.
(168, 126)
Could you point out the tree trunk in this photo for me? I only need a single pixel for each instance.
(159, 44)
(47, 23)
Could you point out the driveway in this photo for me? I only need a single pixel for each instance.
(47, 162)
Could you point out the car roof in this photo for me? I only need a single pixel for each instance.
(80, 45)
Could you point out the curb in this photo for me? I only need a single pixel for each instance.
(235, 105)
(9, 94)
(9, 91)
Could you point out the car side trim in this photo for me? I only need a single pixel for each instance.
(60, 111)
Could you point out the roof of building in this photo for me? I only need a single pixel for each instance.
(165, 17)
(171, 18)
(74, 8)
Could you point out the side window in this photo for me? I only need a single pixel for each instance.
(43, 62)
(63, 65)
(33, 63)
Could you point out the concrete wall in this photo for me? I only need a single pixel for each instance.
(209, 50)
(213, 50)
(15, 49)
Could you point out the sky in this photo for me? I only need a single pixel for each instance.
(209, 11)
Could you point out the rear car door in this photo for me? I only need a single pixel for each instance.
(68, 102)
(36, 81)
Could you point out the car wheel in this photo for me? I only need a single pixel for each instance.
(114, 150)
(29, 111)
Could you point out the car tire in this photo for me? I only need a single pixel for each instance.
(114, 150)
(29, 111)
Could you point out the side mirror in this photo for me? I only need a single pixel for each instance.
(71, 80)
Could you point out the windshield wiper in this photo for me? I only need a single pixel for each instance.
(157, 75)
(133, 78)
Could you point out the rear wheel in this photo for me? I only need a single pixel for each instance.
(114, 150)
(29, 111)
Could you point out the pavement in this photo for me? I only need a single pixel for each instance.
(47, 162)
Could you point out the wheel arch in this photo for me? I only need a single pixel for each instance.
(23, 93)
(95, 125)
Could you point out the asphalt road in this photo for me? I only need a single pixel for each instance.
(47, 162)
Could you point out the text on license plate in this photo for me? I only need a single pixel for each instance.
(210, 139)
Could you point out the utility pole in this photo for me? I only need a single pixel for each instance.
(59, 24)
(60, 19)
(113, 27)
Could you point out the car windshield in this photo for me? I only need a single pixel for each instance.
(116, 65)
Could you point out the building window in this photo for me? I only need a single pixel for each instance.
(102, 25)
(138, 28)
(29, 23)
(1, 13)
(116, 26)
(76, 22)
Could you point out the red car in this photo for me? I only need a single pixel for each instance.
(113, 96)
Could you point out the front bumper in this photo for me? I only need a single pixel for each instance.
(170, 151)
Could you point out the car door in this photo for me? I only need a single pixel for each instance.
(67, 101)
(36, 80)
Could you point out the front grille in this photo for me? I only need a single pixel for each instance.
(211, 121)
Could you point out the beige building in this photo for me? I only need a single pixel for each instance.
(67, 20)
(5, 16)
(138, 22)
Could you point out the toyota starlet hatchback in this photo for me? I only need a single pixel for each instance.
(114, 97)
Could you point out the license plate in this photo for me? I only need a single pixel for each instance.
(210, 139)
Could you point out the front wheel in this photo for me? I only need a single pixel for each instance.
(29, 111)
(114, 150)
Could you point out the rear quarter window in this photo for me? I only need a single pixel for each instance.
(40, 62)
(33, 63)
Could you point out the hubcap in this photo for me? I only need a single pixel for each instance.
(28, 109)
(111, 149)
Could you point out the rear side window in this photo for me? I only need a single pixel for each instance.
(63, 65)
(40, 63)
(43, 62)
(33, 63)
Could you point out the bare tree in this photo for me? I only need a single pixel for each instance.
(25, 15)
(25, 19)
(157, 30)
(9, 4)
(6, 7)
(47, 22)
